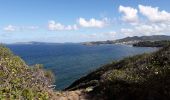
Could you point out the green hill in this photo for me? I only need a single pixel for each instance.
(145, 38)
(152, 43)
(131, 40)
(141, 77)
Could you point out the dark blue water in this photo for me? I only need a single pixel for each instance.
(71, 61)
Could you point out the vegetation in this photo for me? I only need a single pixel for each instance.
(145, 38)
(142, 77)
(152, 44)
(131, 40)
(20, 81)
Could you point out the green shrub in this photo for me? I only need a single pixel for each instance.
(20, 81)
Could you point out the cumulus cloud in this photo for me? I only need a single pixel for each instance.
(92, 22)
(153, 13)
(130, 14)
(54, 26)
(156, 23)
(147, 29)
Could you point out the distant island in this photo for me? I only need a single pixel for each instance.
(130, 40)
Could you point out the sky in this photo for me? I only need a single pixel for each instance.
(81, 20)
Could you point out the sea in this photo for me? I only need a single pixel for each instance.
(70, 61)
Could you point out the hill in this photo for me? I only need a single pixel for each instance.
(162, 43)
(145, 38)
(131, 40)
(141, 77)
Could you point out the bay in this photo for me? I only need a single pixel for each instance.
(69, 62)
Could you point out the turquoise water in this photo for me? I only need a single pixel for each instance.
(71, 61)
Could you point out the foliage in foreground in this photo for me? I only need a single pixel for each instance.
(145, 77)
(20, 81)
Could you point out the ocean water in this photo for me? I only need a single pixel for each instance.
(69, 62)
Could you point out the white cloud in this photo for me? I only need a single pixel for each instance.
(159, 21)
(10, 28)
(53, 26)
(153, 14)
(92, 22)
(130, 14)
(147, 29)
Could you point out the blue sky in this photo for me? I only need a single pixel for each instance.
(81, 20)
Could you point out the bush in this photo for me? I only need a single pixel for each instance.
(20, 81)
